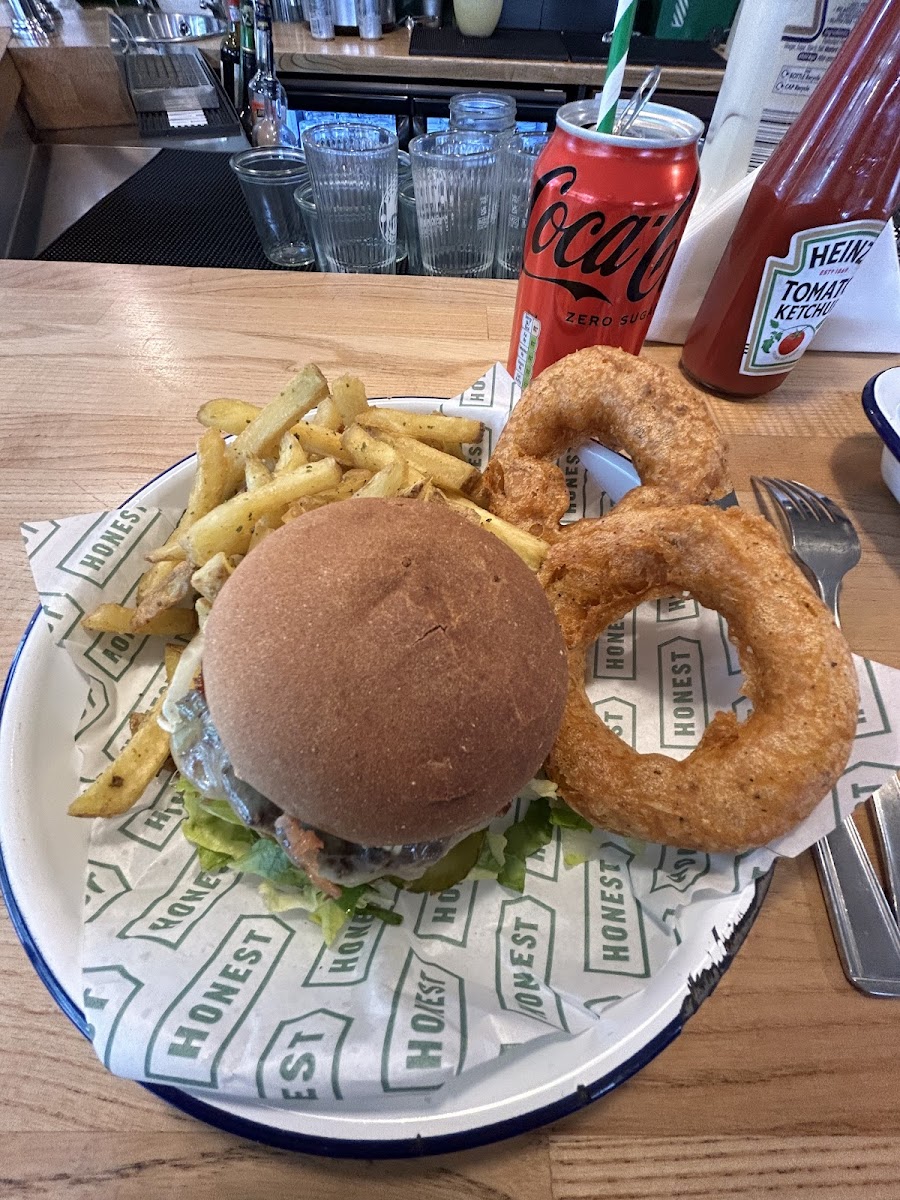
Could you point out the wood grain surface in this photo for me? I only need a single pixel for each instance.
(782, 1085)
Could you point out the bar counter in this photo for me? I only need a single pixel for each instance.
(71, 81)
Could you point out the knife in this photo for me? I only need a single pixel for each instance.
(869, 944)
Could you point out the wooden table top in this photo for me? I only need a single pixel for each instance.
(784, 1082)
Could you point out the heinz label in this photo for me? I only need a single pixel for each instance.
(606, 218)
(798, 292)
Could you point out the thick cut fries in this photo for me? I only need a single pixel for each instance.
(228, 416)
(229, 527)
(532, 550)
(350, 484)
(165, 554)
(290, 454)
(117, 618)
(256, 473)
(328, 415)
(203, 608)
(349, 395)
(262, 435)
(263, 527)
(209, 579)
(124, 780)
(445, 470)
(430, 427)
(173, 653)
(366, 449)
(389, 481)
(171, 590)
(207, 490)
(316, 439)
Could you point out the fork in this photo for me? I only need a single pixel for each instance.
(825, 544)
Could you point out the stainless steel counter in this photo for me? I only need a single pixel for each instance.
(46, 188)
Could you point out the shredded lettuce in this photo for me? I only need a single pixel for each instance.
(577, 846)
(491, 858)
(529, 833)
(223, 841)
(219, 842)
(277, 900)
(567, 818)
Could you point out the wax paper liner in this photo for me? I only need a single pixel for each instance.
(189, 980)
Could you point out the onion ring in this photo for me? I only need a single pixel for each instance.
(745, 783)
(624, 402)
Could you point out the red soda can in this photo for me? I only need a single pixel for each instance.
(607, 214)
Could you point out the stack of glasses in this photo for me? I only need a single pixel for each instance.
(472, 189)
(354, 177)
(456, 205)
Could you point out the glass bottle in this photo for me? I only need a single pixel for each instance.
(230, 56)
(248, 62)
(267, 98)
(814, 212)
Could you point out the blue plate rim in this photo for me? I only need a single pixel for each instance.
(379, 1148)
(885, 430)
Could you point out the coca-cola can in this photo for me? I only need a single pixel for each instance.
(607, 214)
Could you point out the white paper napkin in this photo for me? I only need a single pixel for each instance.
(867, 318)
(189, 980)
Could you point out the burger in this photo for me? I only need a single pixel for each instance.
(376, 682)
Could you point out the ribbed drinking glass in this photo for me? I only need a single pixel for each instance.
(520, 154)
(409, 226)
(457, 185)
(353, 170)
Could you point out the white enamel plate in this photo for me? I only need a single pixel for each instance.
(42, 871)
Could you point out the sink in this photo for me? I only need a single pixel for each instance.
(163, 28)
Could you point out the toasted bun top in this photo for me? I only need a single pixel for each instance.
(385, 670)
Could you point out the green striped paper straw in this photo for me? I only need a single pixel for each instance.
(615, 67)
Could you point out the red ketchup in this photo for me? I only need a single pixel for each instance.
(814, 212)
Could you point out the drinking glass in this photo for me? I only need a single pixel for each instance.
(306, 202)
(304, 197)
(320, 17)
(368, 19)
(457, 184)
(353, 170)
(477, 18)
(520, 154)
(268, 176)
(484, 112)
(409, 226)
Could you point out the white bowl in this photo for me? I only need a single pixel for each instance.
(881, 402)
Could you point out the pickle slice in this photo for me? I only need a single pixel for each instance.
(453, 867)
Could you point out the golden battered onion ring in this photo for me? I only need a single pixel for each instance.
(745, 783)
(626, 403)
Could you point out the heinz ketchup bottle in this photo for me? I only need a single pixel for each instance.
(814, 212)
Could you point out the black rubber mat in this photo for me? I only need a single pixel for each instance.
(541, 44)
(183, 209)
(644, 51)
(220, 122)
